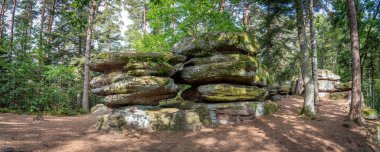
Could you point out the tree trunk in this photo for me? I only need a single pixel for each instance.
(308, 107)
(232, 10)
(49, 29)
(12, 29)
(40, 58)
(80, 45)
(315, 53)
(246, 14)
(222, 5)
(86, 80)
(355, 108)
(30, 17)
(4, 7)
(299, 86)
(372, 83)
(144, 18)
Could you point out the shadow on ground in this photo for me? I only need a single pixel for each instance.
(283, 131)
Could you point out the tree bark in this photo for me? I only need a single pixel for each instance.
(144, 18)
(40, 58)
(246, 14)
(4, 7)
(12, 29)
(308, 107)
(86, 80)
(222, 5)
(355, 108)
(51, 11)
(315, 53)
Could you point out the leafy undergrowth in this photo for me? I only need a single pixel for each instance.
(59, 112)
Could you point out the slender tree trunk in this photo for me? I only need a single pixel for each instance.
(315, 53)
(372, 83)
(355, 108)
(4, 7)
(308, 107)
(232, 10)
(49, 29)
(144, 17)
(246, 14)
(80, 45)
(222, 5)
(86, 80)
(30, 17)
(40, 54)
(12, 29)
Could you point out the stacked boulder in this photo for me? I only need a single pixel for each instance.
(221, 67)
(330, 87)
(208, 79)
(134, 78)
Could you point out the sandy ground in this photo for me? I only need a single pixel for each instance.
(283, 131)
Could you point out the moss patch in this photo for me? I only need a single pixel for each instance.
(369, 113)
(271, 107)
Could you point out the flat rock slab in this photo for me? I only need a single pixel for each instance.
(215, 43)
(327, 75)
(112, 61)
(240, 72)
(148, 84)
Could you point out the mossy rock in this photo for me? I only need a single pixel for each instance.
(343, 86)
(338, 95)
(221, 58)
(230, 93)
(156, 118)
(271, 107)
(369, 113)
(107, 79)
(324, 74)
(240, 72)
(144, 84)
(111, 61)
(326, 86)
(216, 43)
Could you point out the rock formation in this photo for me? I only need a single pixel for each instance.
(208, 79)
(329, 85)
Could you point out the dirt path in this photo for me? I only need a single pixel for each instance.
(283, 131)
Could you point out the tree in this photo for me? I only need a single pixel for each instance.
(86, 80)
(4, 8)
(40, 45)
(315, 53)
(355, 108)
(51, 11)
(308, 107)
(14, 5)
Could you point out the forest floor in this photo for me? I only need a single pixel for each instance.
(283, 131)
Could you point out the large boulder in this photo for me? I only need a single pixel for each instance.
(240, 72)
(369, 113)
(139, 98)
(215, 43)
(343, 86)
(327, 75)
(225, 93)
(144, 84)
(326, 86)
(148, 117)
(190, 117)
(112, 61)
